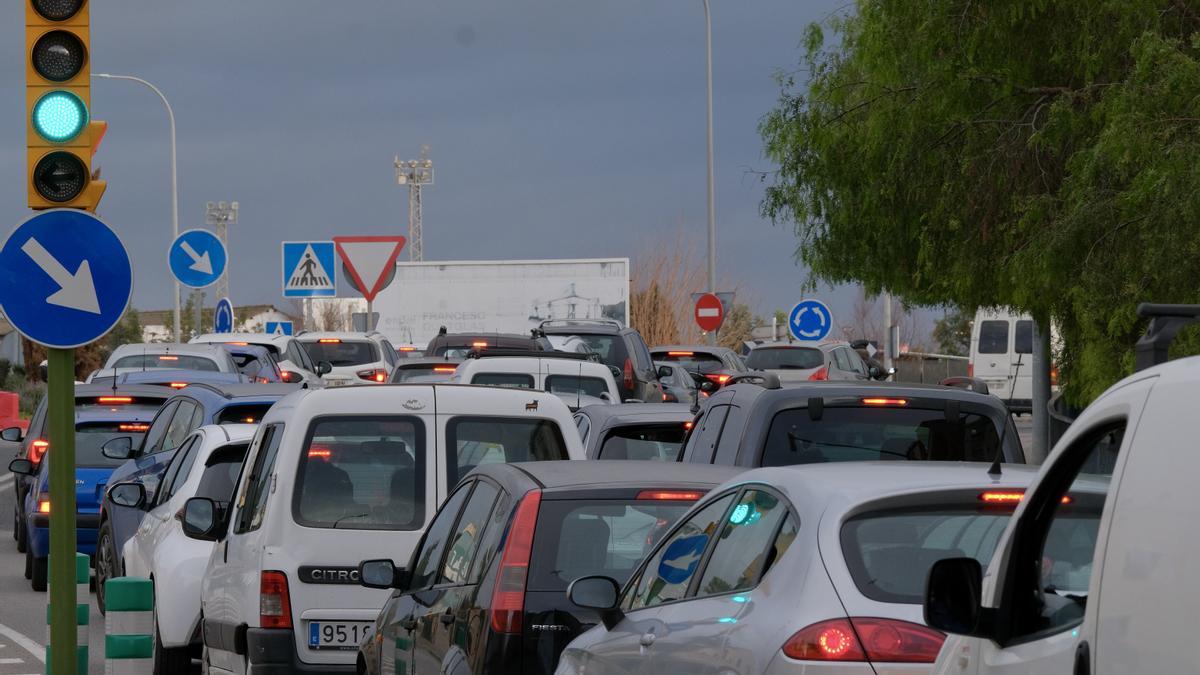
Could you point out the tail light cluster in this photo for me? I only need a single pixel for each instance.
(37, 450)
(865, 640)
(43, 503)
(508, 595)
(628, 375)
(821, 374)
(373, 375)
(274, 601)
(290, 377)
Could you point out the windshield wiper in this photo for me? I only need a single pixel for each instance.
(793, 439)
(357, 515)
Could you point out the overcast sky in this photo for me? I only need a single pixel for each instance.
(558, 129)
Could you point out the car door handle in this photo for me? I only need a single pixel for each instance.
(408, 623)
(646, 640)
(447, 618)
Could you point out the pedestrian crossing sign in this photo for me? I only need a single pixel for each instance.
(308, 269)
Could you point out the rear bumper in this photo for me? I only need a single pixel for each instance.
(86, 528)
(273, 651)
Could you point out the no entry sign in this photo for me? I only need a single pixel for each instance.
(710, 313)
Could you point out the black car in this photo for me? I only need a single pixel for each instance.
(485, 591)
(754, 421)
(620, 347)
(457, 345)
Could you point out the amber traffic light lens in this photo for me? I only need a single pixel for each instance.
(57, 10)
(58, 56)
(60, 176)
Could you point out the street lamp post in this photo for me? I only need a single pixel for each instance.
(712, 219)
(174, 180)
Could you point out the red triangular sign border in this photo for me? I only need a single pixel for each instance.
(370, 291)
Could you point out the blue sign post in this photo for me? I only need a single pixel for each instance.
(197, 258)
(279, 328)
(223, 316)
(65, 278)
(308, 269)
(810, 320)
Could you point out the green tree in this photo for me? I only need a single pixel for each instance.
(1038, 154)
(127, 331)
(952, 332)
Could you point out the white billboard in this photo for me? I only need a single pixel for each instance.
(499, 296)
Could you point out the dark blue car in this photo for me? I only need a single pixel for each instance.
(148, 458)
(101, 414)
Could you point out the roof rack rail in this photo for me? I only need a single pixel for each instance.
(764, 380)
(579, 322)
(492, 352)
(1165, 323)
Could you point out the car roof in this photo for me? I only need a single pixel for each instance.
(134, 349)
(631, 412)
(406, 399)
(428, 361)
(154, 375)
(252, 338)
(147, 390)
(838, 388)
(232, 433)
(338, 335)
(614, 473)
(451, 337)
(270, 392)
(582, 327)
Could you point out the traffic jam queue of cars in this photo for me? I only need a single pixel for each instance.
(513, 504)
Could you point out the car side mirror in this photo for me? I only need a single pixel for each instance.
(664, 372)
(616, 373)
(200, 519)
(324, 367)
(120, 447)
(599, 593)
(12, 434)
(132, 495)
(291, 376)
(382, 574)
(953, 597)
(23, 467)
(875, 372)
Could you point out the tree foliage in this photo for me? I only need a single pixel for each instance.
(952, 333)
(1037, 154)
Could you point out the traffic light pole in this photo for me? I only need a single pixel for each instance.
(60, 394)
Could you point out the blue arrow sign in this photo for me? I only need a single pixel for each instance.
(810, 320)
(223, 316)
(197, 258)
(681, 558)
(65, 278)
(279, 328)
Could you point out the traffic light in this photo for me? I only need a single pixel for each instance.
(62, 137)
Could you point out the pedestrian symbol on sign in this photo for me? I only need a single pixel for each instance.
(309, 274)
(307, 269)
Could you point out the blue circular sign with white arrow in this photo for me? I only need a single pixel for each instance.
(65, 278)
(197, 258)
(681, 558)
(223, 316)
(810, 320)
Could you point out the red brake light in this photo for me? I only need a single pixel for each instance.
(274, 604)
(508, 596)
(43, 503)
(688, 425)
(671, 495)
(329, 341)
(680, 353)
(885, 401)
(239, 344)
(373, 375)
(165, 357)
(317, 452)
(719, 379)
(289, 376)
(628, 379)
(865, 639)
(821, 374)
(178, 385)
(970, 369)
(444, 369)
(37, 449)
(1012, 497)
(133, 427)
(110, 400)
(479, 345)
(406, 349)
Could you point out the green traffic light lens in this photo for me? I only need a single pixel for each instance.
(59, 116)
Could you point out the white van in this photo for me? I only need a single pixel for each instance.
(578, 382)
(336, 476)
(1085, 582)
(1002, 356)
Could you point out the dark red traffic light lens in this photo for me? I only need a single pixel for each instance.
(58, 56)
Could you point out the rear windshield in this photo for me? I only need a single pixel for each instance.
(250, 413)
(993, 337)
(785, 358)
(889, 554)
(407, 373)
(499, 440)
(578, 538)
(253, 367)
(221, 473)
(167, 361)
(509, 380)
(868, 433)
(611, 348)
(656, 442)
(363, 473)
(574, 384)
(343, 353)
(90, 437)
(692, 362)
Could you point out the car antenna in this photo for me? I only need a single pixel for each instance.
(994, 469)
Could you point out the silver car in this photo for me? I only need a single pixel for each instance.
(802, 362)
(810, 569)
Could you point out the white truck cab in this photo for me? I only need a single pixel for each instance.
(1115, 597)
(336, 476)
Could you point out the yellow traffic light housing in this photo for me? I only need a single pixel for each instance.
(61, 136)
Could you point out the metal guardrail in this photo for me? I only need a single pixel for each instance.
(925, 368)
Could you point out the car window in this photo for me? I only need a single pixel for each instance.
(657, 442)
(574, 384)
(839, 357)
(509, 380)
(467, 534)
(362, 472)
(884, 432)
(1053, 553)
(785, 358)
(610, 348)
(472, 441)
(583, 424)
(427, 560)
(167, 361)
(181, 464)
(253, 504)
(90, 438)
(708, 433)
(856, 362)
(1023, 337)
(745, 544)
(181, 425)
(245, 413)
(669, 571)
(993, 337)
(219, 479)
(640, 351)
(389, 352)
(696, 362)
(581, 537)
(158, 428)
(342, 353)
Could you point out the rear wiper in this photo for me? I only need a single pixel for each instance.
(357, 515)
(793, 439)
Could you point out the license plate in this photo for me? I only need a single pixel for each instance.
(336, 383)
(338, 634)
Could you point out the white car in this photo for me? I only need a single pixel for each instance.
(336, 476)
(1123, 599)
(578, 382)
(293, 359)
(350, 358)
(207, 465)
(167, 356)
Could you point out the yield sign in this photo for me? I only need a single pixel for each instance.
(710, 313)
(369, 259)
